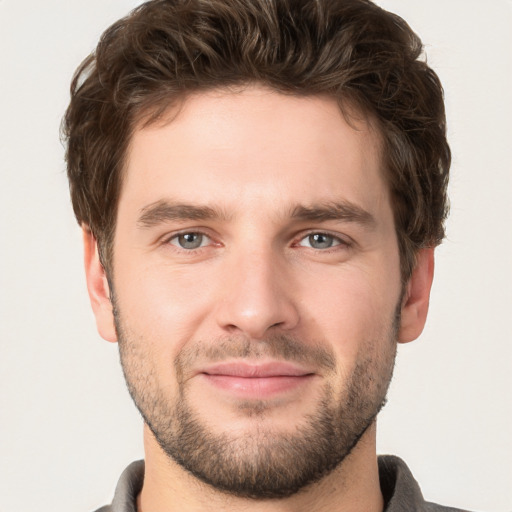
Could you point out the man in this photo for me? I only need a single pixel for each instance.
(261, 185)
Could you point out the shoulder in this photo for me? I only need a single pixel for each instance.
(401, 491)
(434, 507)
(127, 489)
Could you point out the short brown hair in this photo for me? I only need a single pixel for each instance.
(351, 50)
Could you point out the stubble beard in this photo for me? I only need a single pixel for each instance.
(260, 463)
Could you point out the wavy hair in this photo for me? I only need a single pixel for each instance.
(351, 50)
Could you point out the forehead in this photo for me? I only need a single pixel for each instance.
(226, 146)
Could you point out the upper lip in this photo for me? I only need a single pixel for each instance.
(256, 370)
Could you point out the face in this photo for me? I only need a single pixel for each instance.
(256, 287)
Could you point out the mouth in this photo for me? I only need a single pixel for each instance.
(256, 381)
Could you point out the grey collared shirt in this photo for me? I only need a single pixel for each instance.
(400, 490)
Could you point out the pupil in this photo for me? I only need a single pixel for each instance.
(190, 240)
(320, 241)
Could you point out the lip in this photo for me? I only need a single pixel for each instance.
(248, 370)
(256, 381)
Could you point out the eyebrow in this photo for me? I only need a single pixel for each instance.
(337, 211)
(164, 211)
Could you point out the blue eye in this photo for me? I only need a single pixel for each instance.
(320, 241)
(189, 240)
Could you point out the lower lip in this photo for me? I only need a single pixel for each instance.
(258, 387)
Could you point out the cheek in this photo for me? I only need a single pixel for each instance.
(356, 309)
(162, 305)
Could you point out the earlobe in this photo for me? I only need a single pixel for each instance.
(98, 287)
(417, 296)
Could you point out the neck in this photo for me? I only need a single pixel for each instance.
(352, 487)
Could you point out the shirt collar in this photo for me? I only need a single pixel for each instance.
(400, 490)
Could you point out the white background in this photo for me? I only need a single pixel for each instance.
(68, 427)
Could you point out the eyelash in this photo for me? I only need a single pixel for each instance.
(340, 243)
(176, 236)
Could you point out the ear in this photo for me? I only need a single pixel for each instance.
(416, 298)
(97, 285)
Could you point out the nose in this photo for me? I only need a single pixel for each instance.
(257, 296)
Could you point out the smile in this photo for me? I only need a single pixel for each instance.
(256, 381)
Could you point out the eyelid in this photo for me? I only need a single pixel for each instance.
(343, 240)
(166, 240)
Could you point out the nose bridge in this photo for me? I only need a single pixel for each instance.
(256, 295)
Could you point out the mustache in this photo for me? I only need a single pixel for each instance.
(279, 347)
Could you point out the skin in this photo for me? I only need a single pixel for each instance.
(254, 156)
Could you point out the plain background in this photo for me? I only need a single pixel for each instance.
(68, 427)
